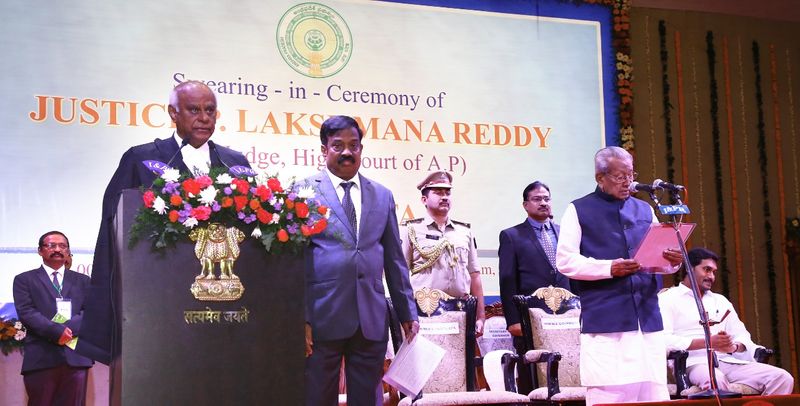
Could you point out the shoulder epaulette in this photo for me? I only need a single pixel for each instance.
(413, 221)
(461, 223)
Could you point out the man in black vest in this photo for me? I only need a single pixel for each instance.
(622, 344)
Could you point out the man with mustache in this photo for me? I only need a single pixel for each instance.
(441, 252)
(347, 316)
(193, 109)
(729, 339)
(53, 373)
(527, 256)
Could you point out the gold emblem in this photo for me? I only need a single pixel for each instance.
(217, 244)
(553, 296)
(428, 299)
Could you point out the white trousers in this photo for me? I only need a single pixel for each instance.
(766, 378)
(632, 392)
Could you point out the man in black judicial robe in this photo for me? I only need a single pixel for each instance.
(193, 109)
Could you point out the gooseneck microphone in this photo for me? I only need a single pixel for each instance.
(184, 143)
(641, 187)
(658, 183)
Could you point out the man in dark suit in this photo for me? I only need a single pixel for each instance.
(346, 311)
(193, 109)
(52, 372)
(527, 262)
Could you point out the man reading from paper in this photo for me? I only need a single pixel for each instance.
(193, 109)
(623, 355)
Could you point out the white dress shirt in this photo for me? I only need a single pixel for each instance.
(59, 274)
(196, 159)
(682, 324)
(355, 192)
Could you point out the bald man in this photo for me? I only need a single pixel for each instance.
(193, 109)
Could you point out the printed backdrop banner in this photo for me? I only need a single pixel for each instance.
(498, 99)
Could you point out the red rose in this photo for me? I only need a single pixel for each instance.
(149, 197)
(240, 202)
(301, 209)
(322, 210)
(306, 230)
(242, 186)
(263, 193)
(255, 204)
(264, 216)
(320, 226)
(282, 235)
(201, 213)
(190, 186)
(173, 216)
(203, 181)
(274, 185)
(175, 200)
(226, 202)
(289, 204)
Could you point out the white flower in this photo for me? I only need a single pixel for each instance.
(224, 179)
(159, 205)
(20, 335)
(18, 325)
(208, 195)
(275, 218)
(306, 192)
(190, 222)
(256, 233)
(171, 175)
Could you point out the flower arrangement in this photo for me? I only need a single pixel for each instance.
(12, 332)
(283, 219)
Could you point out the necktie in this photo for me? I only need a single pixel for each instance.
(349, 208)
(56, 284)
(547, 244)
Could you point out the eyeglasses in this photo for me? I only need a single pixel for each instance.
(539, 199)
(54, 245)
(339, 147)
(623, 177)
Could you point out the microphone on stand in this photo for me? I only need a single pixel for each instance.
(184, 143)
(658, 183)
(641, 187)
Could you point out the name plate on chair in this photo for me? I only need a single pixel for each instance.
(438, 328)
(561, 324)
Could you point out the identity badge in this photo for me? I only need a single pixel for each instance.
(63, 309)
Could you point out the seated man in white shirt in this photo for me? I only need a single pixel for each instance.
(730, 338)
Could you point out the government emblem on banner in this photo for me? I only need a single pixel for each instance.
(314, 40)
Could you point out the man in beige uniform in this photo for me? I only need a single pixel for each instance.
(441, 252)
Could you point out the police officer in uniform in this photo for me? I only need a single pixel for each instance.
(441, 252)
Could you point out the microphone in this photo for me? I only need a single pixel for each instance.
(658, 183)
(641, 187)
(213, 147)
(184, 143)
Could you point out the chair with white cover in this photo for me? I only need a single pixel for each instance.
(450, 323)
(551, 328)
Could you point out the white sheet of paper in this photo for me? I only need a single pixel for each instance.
(64, 308)
(413, 365)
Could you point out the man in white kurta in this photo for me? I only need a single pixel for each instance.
(729, 338)
(623, 355)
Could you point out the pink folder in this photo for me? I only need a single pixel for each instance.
(658, 238)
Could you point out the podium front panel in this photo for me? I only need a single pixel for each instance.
(175, 349)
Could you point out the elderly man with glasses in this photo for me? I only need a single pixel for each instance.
(622, 344)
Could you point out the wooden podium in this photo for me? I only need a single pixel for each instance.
(175, 349)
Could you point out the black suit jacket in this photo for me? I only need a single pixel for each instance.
(35, 300)
(524, 267)
(100, 329)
